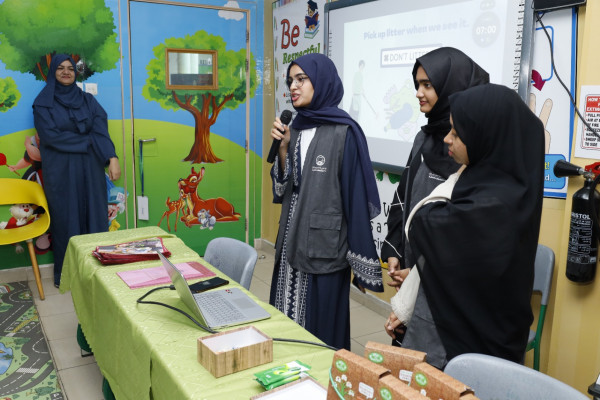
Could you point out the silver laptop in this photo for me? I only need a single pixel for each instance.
(216, 308)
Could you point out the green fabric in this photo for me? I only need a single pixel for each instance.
(106, 391)
(145, 350)
(81, 340)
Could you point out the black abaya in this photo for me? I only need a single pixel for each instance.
(476, 252)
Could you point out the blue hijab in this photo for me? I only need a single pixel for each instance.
(71, 96)
(324, 110)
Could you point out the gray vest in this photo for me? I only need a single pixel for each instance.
(317, 236)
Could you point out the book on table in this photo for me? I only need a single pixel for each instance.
(128, 252)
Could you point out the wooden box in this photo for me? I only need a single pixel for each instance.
(228, 352)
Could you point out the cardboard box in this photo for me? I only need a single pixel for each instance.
(435, 384)
(399, 361)
(236, 350)
(354, 377)
(305, 388)
(392, 388)
(469, 396)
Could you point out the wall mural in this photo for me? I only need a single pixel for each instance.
(211, 131)
(86, 32)
(30, 36)
(202, 83)
(194, 209)
(204, 105)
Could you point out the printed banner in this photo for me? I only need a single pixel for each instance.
(297, 30)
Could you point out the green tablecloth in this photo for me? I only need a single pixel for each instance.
(148, 351)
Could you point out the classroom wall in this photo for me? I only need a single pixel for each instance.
(571, 336)
(222, 144)
(572, 351)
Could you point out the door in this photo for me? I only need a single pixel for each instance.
(190, 119)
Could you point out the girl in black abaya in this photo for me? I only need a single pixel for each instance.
(436, 75)
(441, 72)
(476, 252)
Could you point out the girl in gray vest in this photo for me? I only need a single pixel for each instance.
(324, 180)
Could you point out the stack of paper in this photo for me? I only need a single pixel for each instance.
(138, 278)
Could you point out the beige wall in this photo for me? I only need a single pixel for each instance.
(571, 336)
(571, 348)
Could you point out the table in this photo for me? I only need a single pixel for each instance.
(150, 352)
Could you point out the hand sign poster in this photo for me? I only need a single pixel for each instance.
(547, 98)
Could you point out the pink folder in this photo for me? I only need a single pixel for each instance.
(138, 278)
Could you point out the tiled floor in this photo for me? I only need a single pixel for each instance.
(80, 377)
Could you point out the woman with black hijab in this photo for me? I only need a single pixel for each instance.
(76, 147)
(324, 179)
(475, 253)
(436, 75)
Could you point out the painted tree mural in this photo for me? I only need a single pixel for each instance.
(204, 105)
(31, 31)
(9, 94)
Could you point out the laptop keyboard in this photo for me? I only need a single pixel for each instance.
(218, 310)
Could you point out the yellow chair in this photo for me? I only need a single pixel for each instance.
(19, 191)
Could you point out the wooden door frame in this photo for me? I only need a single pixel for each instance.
(247, 141)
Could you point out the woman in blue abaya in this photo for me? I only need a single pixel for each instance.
(324, 179)
(76, 148)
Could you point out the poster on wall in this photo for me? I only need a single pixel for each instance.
(547, 98)
(386, 185)
(297, 30)
(587, 142)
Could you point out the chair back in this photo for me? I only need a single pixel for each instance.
(233, 257)
(544, 268)
(494, 378)
(20, 191)
(542, 283)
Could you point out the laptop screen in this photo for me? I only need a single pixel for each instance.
(182, 287)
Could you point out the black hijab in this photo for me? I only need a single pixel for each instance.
(476, 253)
(323, 109)
(449, 71)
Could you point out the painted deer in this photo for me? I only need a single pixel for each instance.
(174, 206)
(220, 208)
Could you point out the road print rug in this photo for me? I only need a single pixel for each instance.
(26, 368)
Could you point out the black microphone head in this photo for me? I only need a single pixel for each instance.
(286, 117)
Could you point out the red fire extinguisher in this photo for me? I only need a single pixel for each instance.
(582, 254)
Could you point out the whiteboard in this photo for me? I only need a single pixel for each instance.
(374, 45)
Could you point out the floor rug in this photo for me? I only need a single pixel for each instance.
(26, 368)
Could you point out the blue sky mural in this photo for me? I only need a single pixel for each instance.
(151, 25)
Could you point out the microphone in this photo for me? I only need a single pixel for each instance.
(286, 117)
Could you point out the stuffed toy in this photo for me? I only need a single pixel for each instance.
(21, 214)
